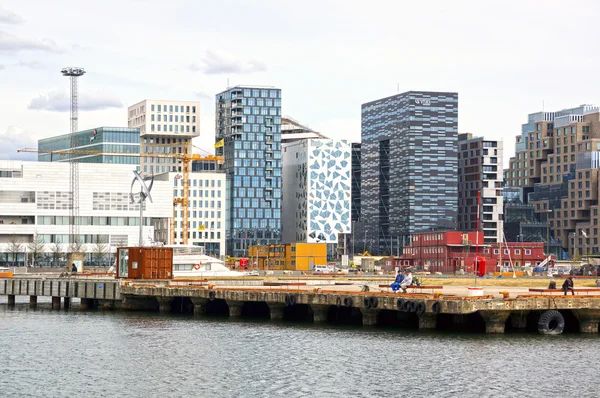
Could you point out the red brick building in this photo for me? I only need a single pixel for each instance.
(452, 250)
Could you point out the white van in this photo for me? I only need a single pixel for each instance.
(324, 268)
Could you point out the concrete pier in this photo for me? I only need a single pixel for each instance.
(276, 310)
(200, 305)
(369, 317)
(427, 320)
(427, 311)
(235, 308)
(56, 303)
(164, 304)
(518, 319)
(320, 313)
(588, 320)
(495, 321)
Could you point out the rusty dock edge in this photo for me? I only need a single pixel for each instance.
(495, 313)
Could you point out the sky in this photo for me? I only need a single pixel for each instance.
(505, 59)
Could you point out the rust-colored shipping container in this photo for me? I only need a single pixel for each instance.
(145, 262)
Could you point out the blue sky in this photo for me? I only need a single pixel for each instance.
(505, 59)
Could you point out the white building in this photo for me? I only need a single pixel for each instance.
(166, 127)
(34, 206)
(480, 170)
(316, 192)
(206, 211)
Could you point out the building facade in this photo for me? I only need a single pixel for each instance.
(248, 136)
(316, 190)
(409, 167)
(292, 257)
(454, 251)
(558, 168)
(34, 215)
(480, 173)
(118, 145)
(206, 211)
(166, 127)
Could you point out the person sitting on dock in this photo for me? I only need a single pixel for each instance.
(407, 281)
(74, 269)
(396, 284)
(568, 285)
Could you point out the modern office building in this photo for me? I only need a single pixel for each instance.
(316, 192)
(34, 215)
(206, 211)
(166, 127)
(409, 167)
(480, 173)
(248, 136)
(118, 145)
(557, 164)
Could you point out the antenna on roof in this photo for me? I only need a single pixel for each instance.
(227, 82)
(398, 87)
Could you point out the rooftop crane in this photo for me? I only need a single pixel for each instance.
(184, 157)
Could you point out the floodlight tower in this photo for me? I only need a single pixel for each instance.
(73, 73)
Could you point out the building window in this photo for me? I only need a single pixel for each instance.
(527, 252)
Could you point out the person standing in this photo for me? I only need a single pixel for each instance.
(568, 285)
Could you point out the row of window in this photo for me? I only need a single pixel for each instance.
(173, 108)
(207, 184)
(172, 128)
(176, 118)
(114, 221)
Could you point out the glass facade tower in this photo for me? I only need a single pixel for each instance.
(409, 168)
(248, 136)
(94, 146)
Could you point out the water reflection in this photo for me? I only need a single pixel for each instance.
(70, 353)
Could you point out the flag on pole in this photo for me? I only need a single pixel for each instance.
(220, 143)
(201, 227)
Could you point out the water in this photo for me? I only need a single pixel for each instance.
(45, 353)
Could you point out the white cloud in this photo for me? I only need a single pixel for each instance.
(218, 62)
(16, 138)
(9, 17)
(59, 101)
(30, 64)
(202, 94)
(10, 43)
(339, 128)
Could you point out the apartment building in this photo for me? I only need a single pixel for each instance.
(166, 127)
(557, 163)
(480, 173)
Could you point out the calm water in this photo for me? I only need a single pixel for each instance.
(46, 353)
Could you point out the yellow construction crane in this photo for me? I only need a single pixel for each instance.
(185, 158)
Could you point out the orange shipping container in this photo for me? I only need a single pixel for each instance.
(145, 262)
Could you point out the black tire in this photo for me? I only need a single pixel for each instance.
(411, 306)
(366, 302)
(293, 299)
(551, 322)
(287, 300)
(421, 307)
(436, 307)
(212, 294)
(348, 302)
(400, 304)
(338, 301)
(373, 302)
